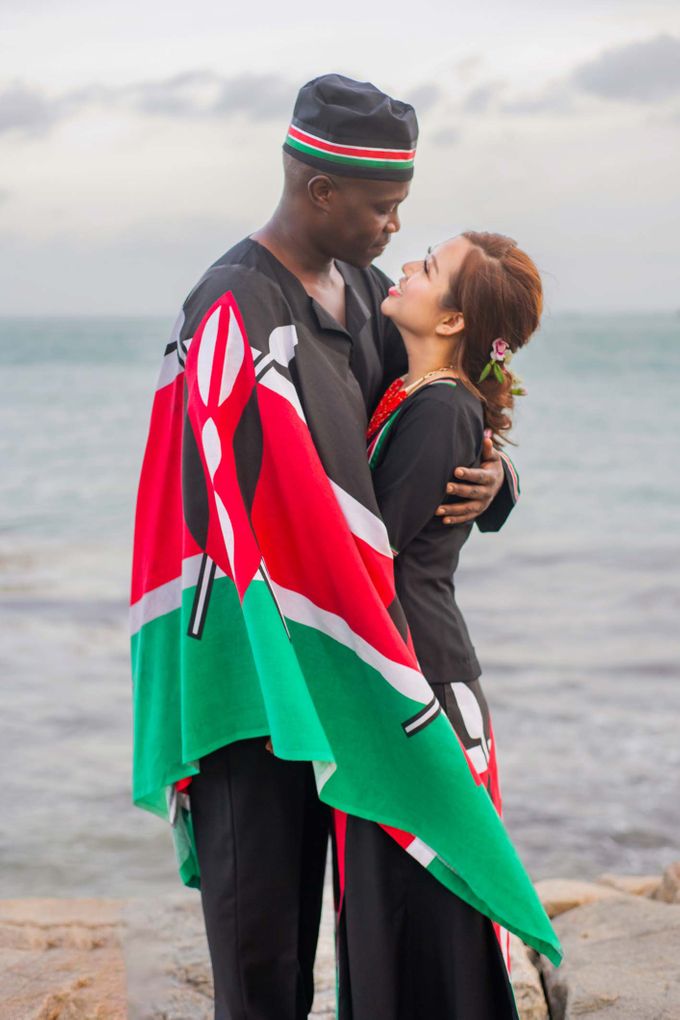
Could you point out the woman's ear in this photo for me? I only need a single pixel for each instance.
(450, 324)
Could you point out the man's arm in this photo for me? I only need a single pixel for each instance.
(489, 492)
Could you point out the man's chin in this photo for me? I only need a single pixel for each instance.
(362, 260)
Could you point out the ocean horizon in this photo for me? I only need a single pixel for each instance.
(573, 606)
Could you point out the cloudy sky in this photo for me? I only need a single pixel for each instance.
(138, 140)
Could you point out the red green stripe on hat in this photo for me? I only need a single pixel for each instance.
(350, 155)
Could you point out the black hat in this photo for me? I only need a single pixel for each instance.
(352, 128)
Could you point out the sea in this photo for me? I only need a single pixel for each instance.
(574, 606)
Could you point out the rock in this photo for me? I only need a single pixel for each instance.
(634, 885)
(168, 966)
(324, 970)
(561, 894)
(61, 960)
(166, 959)
(620, 962)
(669, 889)
(526, 982)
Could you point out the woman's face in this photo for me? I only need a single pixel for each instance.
(416, 302)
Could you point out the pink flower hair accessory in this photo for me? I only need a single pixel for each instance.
(499, 349)
(497, 356)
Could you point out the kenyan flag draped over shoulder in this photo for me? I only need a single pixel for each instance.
(263, 604)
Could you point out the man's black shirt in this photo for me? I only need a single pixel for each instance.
(372, 345)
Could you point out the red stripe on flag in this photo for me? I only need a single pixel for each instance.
(404, 839)
(311, 519)
(215, 416)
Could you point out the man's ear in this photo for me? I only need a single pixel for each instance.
(450, 324)
(320, 190)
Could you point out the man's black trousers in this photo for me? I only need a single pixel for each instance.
(261, 837)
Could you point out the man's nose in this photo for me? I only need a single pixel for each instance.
(394, 223)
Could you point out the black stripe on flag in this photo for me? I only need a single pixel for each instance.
(264, 574)
(199, 610)
(422, 719)
(263, 367)
(170, 348)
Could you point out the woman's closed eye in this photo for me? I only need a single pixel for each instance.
(428, 261)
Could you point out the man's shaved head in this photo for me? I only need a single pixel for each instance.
(297, 174)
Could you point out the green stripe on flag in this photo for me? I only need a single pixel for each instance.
(321, 702)
(379, 776)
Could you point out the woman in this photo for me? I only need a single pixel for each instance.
(408, 948)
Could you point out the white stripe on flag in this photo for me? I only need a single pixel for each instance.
(167, 597)
(423, 718)
(275, 382)
(362, 523)
(421, 852)
(405, 679)
(266, 360)
(171, 367)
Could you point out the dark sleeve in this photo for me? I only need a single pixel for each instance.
(495, 517)
(259, 299)
(429, 438)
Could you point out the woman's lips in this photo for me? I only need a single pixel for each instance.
(394, 292)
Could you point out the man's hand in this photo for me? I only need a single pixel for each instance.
(478, 488)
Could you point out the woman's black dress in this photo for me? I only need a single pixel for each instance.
(408, 949)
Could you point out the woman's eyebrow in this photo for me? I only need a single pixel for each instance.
(431, 255)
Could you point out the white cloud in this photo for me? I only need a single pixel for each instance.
(645, 71)
(25, 109)
(191, 94)
(144, 140)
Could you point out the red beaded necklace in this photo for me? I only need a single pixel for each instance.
(394, 395)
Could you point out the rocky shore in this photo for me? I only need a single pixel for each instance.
(147, 959)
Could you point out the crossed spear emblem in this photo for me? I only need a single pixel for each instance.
(221, 374)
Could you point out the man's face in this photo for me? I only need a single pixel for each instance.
(361, 218)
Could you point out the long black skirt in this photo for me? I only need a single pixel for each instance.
(408, 948)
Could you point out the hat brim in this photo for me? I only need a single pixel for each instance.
(350, 170)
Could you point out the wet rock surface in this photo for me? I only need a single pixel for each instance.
(147, 959)
(561, 894)
(621, 961)
(635, 885)
(668, 890)
(168, 967)
(61, 960)
(526, 982)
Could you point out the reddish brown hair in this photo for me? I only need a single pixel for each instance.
(498, 290)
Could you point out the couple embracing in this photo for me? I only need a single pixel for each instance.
(322, 441)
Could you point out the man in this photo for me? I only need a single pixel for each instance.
(260, 829)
